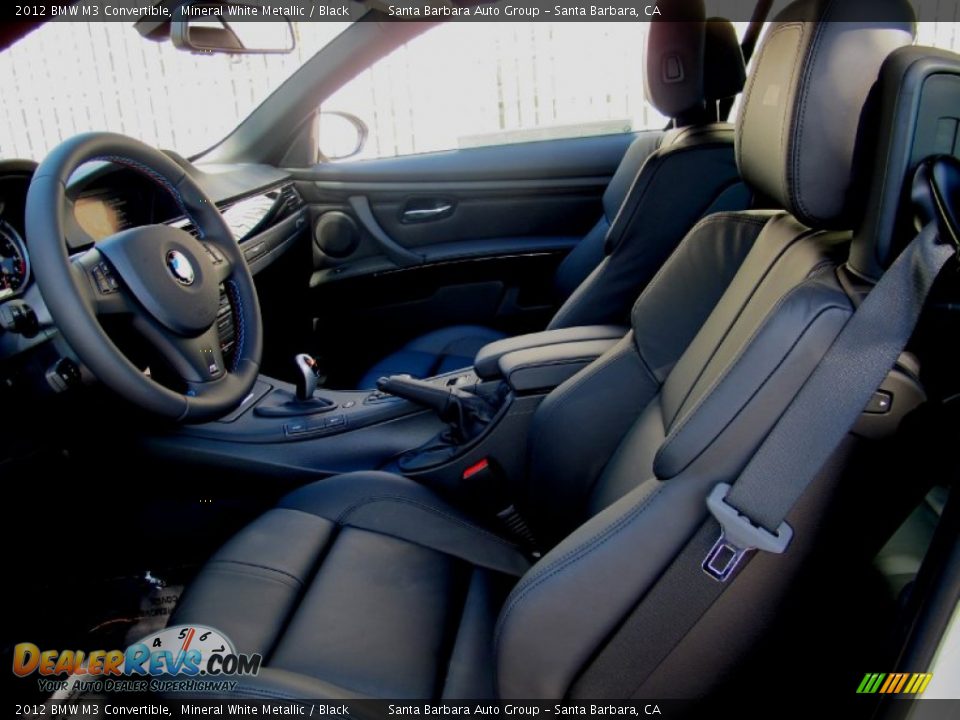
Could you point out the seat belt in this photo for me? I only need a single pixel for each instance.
(751, 512)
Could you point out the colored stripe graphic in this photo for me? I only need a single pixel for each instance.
(894, 683)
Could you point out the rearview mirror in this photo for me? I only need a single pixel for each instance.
(231, 28)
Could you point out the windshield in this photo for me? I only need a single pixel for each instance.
(67, 78)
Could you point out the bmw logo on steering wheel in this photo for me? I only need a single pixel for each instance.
(180, 267)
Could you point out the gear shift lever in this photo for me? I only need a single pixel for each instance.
(309, 374)
(282, 403)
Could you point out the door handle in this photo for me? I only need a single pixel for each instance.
(434, 212)
(397, 253)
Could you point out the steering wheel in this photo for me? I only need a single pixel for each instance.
(164, 278)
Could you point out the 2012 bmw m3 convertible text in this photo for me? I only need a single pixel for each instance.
(461, 357)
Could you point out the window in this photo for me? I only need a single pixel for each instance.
(66, 78)
(466, 84)
(939, 34)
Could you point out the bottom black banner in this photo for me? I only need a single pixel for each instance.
(377, 709)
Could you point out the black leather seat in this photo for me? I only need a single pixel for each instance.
(662, 187)
(369, 584)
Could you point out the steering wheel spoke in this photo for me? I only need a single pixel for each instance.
(163, 279)
(196, 360)
(101, 285)
(221, 263)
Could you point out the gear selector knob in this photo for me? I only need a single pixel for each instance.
(308, 376)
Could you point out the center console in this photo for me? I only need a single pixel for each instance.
(260, 418)
(442, 431)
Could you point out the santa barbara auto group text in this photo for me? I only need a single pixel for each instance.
(532, 710)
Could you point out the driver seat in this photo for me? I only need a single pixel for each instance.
(369, 584)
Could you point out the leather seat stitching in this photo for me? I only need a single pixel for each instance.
(722, 376)
(824, 311)
(660, 157)
(535, 579)
(256, 565)
(733, 362)
(712, 219)
(792, 179)
(748, 93)
(771, 264)
(784, 148)
(571, 302)
(341, 519)
(709, 220)
(241, 571)
(613, 355)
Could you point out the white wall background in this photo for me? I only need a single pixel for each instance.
(65, 78)
(460, 84)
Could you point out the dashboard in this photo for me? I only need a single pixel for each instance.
(14, 260)
(105, 204)
(102, 213)
(260, 205)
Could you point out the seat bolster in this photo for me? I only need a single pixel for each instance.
(784, 348)
(470, 671)
(393, 505)
(268, 564)
(566, 607)
(568, 449)
(646, 230)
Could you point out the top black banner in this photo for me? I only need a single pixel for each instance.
(443, 10)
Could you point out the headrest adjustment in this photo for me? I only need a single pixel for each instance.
(692, 62)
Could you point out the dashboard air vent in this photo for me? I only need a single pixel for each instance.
(288, 201)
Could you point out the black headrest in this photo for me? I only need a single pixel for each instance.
(691, 61)
(919, 117)
(800, 119)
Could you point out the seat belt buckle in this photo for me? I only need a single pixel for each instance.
(738, 537)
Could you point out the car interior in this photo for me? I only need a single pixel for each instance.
(457, 425)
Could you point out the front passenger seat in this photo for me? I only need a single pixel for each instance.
(662, 187)
(369, 584)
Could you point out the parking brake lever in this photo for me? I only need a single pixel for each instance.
(467, 413)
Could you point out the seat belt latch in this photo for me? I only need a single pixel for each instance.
(738, 537)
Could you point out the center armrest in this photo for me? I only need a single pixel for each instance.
(543, 360)
(487, 362)
(544, 368)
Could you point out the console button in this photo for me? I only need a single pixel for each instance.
(335, 422)
(296, 427)
(880, 403)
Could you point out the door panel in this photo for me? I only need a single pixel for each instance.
(467, 236)
(359, 320)
(491, 214)
(550, 159)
